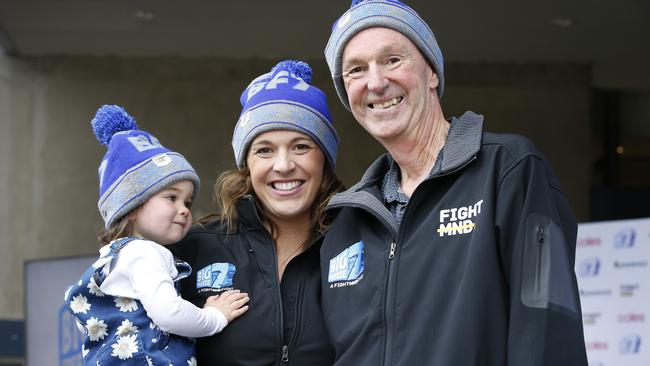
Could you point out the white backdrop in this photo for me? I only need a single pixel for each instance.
(614, 280)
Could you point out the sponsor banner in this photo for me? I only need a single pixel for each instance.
(612, 267)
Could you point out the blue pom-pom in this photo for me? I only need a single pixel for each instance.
(299, 68)
(109, 120)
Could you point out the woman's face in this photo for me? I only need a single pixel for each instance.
(286, 169)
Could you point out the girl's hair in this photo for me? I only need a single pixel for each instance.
(121, 227)
(232, 185)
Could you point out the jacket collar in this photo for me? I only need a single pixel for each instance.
(248, 214)
(462, 144)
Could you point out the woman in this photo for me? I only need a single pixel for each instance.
(265, 240)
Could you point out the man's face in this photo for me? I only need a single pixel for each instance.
(391, 88)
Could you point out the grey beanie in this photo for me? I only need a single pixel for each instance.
(391, 14)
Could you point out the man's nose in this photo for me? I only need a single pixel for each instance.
(377, 81)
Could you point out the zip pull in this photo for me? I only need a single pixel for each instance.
(391, 254)
(540, 235)
(285, 353)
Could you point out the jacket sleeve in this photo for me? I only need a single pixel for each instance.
(536, 234)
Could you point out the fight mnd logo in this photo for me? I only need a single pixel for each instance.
(458, 220)
(70, 339)
(215, 276)
(346, 269)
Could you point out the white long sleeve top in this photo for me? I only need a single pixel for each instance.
(144, 270)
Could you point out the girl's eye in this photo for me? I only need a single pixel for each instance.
(188, 204)
(171, 197)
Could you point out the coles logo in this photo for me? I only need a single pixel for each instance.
(589, 242)
(625, 238)
(589, 267)
(631, 318)
(630, 344)
(596, 346)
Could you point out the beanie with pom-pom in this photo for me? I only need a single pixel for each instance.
(135, 167)
(284, 99)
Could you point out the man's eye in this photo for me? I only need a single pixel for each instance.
(394, 60)
(353, 72)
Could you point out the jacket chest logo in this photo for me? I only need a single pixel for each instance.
(458, 220)
(215, 276)
(346, 268)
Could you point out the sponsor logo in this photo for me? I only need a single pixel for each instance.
(161, 160)
(601, 292)
(631, 318)
(624, 238)
(628, 290)
(144, 142)
(596, 346)
(216, 276)
(458, 220)
(630, 344)
(589, 242)
(346, 269)
(630, 264)
(589, 267)
(590, 318)
(70, 339)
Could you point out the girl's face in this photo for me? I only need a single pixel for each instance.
(165, 217)
(286, 169)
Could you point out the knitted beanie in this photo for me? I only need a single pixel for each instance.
(135, 167)
(283, 99)
(391, 14)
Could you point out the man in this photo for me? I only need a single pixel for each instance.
(455, 248)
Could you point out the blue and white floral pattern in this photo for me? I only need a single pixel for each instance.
(117, 329)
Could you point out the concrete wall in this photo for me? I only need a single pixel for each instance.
(49, 157)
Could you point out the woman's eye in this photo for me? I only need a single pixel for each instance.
(263, 151)
(302, 148)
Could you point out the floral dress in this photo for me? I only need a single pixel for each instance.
(117, 329)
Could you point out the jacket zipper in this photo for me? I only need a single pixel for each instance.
(540, 243)
(388, 304)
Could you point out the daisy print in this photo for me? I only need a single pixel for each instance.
(96, 329)
(125, 304)
(125, 347)
(79, 304)
(94, 289)
(126, 328)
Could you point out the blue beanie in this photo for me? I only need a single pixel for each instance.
(283, 99)
(391, 14)
(135, 167)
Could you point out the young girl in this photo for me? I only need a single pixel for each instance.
(126, 302)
